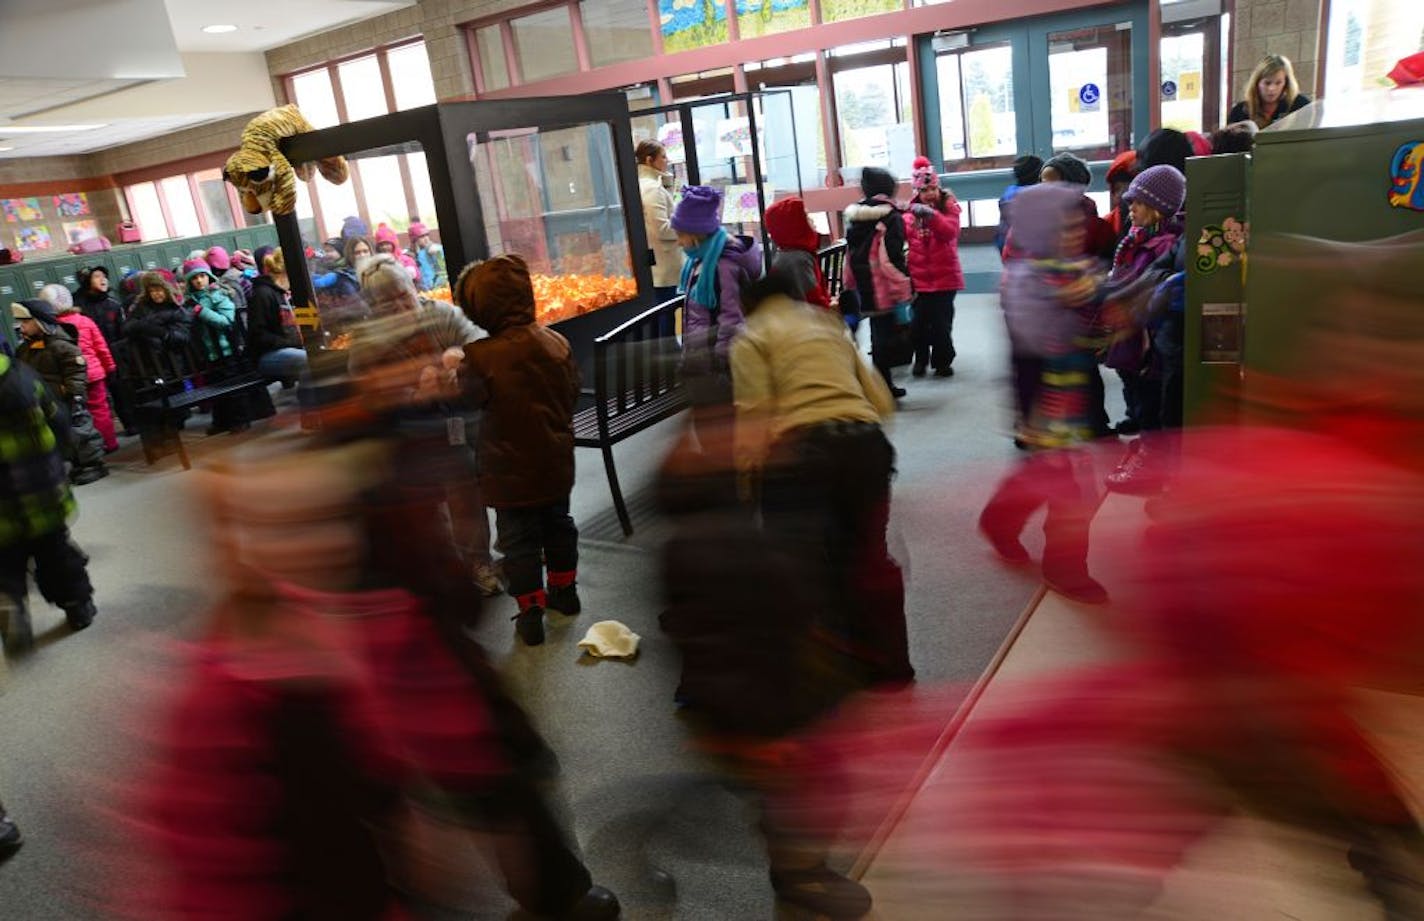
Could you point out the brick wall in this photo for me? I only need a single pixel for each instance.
(15, 170)
(172, 146)
(1287, 27)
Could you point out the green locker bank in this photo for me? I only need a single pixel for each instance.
(27, 278)
(1347, 172)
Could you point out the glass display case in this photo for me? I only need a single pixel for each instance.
(744, 144)
(547, 178)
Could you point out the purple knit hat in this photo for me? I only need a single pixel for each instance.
(699, 212)
(1163, 188)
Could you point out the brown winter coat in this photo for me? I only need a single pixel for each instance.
(525, 378)
(56, 358)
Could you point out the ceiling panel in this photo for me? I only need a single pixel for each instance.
(264, 24)
(125, 131)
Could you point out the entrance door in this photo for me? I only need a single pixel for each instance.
(1191, 75)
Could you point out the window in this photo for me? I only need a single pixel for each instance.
(337, 203)
(987, 102)
(617, 30)
(951, 108)
(313, 95)
(306, 216)
(362, 88)
(1090, 90)
(984, 212)
(181, 212)
(872, 93)
(688, 25)
(765, 17)
(836, 10)
(545, 44)
(385, 191)
(212, 195)
(1183, 68)
(424, 192)
(489, 46)
(146, 211)
(410, 76)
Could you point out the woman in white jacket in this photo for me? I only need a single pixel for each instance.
(657, 212)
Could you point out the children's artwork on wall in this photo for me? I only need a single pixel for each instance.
(79, 231)
(740, 204)
(72, 205)
(33, 238)
(20, 210)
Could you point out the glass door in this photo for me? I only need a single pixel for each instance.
(1191, 75)
(1090, 90)
(977, 112)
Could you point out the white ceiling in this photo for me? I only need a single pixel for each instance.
(264, 24)
(216, 67)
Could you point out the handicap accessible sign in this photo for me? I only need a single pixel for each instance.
(1089, 97)
(1169, 89)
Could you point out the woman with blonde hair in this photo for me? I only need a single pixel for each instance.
(1272, 93)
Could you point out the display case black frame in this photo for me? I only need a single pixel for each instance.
(442, 132)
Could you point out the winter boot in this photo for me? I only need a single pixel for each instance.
(1141, 472)
(563, 593)
(597, 904)
(529, 622)
(10, 837)
(80, 615)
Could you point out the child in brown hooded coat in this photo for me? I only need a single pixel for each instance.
(525, 379)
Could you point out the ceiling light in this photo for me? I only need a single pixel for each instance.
(219, 29)
(3, 149)
(45, 129)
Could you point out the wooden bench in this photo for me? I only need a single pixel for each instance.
(635, 386)
(166, 381)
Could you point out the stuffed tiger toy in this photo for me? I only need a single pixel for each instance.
(259, 171)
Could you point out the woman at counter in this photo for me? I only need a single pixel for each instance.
(1271, 94)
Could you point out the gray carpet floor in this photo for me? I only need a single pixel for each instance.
(651, 819)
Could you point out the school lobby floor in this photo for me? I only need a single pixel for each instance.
(650, 817)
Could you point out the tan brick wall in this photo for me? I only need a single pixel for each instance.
(176, 145)
(1286, 27)
(46, 169)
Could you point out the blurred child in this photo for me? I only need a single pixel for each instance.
(98, 361)
(1026, 173)
(389, 243)
(1049, 297)
(932, 228)
(525, 379)
(430, 256)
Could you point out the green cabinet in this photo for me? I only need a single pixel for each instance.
(1324, 173)
(25, 280)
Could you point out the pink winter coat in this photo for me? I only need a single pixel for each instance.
(98, 362)
(934, 250)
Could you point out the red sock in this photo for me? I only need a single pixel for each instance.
(531, 599)
(562, 579)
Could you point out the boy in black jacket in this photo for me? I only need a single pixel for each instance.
(871, 271)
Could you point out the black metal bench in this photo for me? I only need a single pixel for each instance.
(165, 381)
(635, 386)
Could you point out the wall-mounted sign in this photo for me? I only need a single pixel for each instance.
(1090, 96)
(1189, 84)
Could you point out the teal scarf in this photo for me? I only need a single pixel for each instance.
(707, 254)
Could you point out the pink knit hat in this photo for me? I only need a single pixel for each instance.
(219, 259)
(922, 175)
(417, 230)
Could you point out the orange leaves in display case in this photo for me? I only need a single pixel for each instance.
(560, 297)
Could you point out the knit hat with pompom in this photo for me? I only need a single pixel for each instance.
(923, 175)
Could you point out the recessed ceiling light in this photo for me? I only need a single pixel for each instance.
(219, 29)
(3, 149)
(45, 129)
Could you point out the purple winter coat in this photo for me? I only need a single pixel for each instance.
(707, 339)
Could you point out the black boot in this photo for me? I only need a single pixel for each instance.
(10, 837)
(80, 615)
(565, 600)
(597, 904)
(529, 625)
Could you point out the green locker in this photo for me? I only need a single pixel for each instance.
(10, 287)
(124, 261)
(63, 271)
(1215, 241)
(33, 277)
(1325, 172)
